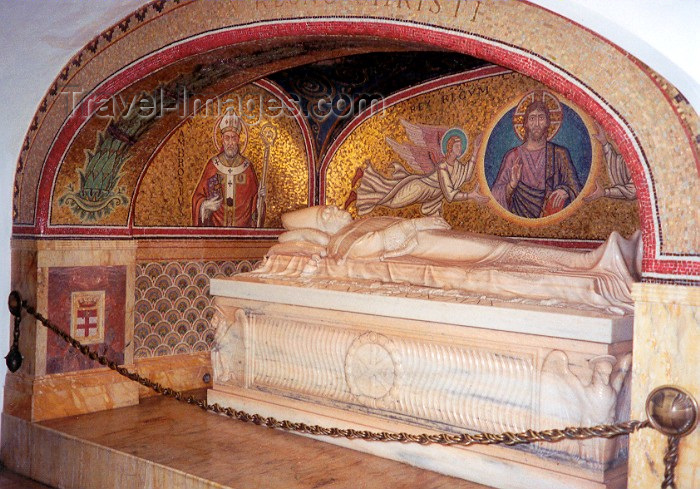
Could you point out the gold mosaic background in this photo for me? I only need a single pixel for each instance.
(476, 106)
(68, 175)
(165, 196)
(612, 73)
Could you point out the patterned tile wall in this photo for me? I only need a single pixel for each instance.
(173, 308)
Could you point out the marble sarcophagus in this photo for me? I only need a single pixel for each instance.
(297, 341)
(429, 367)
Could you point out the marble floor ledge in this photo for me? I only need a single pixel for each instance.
(161, 443)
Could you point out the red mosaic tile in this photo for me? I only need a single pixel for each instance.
(477, 47)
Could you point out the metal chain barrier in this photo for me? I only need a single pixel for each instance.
(675, 422)
(670, 461)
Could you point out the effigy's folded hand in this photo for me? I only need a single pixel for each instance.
(425, 223)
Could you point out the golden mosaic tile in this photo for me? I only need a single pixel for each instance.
(475, 107)
(618, 79)
(165, 196)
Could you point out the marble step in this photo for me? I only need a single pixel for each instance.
(161, 443)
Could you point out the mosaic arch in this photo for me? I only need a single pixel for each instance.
(153, 194)
(381, 163)
(651, 123)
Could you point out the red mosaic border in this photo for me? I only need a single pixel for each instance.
(528, 64)
(86, 232)
(666, 281)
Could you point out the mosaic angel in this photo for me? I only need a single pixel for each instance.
(438, 174)
(621, 185)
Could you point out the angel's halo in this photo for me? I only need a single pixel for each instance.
(451, 133)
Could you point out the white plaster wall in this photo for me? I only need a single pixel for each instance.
(37, 37)
(663, 34)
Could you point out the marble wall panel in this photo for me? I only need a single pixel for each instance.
(65, 281)
(666, 351)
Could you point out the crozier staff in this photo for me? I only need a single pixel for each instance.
(268, 134)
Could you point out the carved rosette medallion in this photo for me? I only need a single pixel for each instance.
(372, 369)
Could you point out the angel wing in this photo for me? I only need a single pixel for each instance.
(429, 137)
(425, 152)
(419, 159)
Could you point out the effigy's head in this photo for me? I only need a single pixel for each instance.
(326, 218)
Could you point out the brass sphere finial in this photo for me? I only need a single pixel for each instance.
(672, 410)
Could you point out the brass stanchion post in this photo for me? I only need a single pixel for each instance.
(673, 412)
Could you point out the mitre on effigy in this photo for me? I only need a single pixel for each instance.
(302, 218)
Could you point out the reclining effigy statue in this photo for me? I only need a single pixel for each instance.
(324, 242)
(429, 355)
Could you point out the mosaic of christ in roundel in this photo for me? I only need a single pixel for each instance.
(538, 157)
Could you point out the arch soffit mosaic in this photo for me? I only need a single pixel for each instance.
(642, 112)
